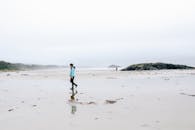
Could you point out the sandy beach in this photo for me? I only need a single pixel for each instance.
(104, 100)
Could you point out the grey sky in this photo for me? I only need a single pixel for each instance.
(99, 32)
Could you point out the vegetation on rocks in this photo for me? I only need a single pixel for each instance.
(155, 66)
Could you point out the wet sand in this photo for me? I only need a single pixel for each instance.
(104, 100)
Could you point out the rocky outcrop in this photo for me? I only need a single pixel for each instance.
(155, 66)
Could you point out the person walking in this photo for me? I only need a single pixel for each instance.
(72, 75)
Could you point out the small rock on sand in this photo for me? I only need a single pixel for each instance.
(87, 103)
(91, 103)
(192, 95)
(110, 101)
(10, 110)
(34, 105)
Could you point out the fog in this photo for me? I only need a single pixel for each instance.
(97, 33)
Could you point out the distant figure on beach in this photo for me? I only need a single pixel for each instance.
(72, 75)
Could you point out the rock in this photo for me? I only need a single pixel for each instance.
(91, 103)
(34, 105)
(155, 66)
(10, 110)
(110, 101)
(192, 95)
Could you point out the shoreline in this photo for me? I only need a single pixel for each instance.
(104, 100)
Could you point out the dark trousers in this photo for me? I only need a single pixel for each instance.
(72, 81)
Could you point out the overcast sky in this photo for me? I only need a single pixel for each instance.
(97, 33)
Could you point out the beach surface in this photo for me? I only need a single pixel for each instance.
(104, 100)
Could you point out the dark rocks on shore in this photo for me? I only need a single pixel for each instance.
(10, 110)
(155, 66)
(110, 101)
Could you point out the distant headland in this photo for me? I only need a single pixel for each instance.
(155, 66)
(7, 66)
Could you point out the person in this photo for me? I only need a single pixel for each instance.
(116, 68)
(72, 75)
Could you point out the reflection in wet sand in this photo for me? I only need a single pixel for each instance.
(72, 100)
